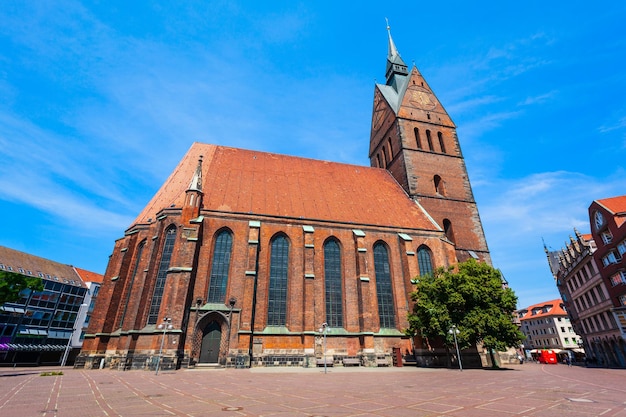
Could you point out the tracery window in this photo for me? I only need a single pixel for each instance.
(424, 260)
(277, 294)
(164, 265)
(129, 287)
(333, 284)
(221, 265)
(384, 292)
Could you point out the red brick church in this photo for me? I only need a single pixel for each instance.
(242, 257)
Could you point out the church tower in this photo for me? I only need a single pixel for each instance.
(414, 138)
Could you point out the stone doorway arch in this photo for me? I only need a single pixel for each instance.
(211, 343)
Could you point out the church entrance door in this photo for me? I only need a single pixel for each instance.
(211, 338)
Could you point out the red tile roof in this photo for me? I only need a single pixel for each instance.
(555, 310)
(245, 181)
(88, 276)
(614, 204)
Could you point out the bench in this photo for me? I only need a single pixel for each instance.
(351, 362)
(322, 361)
(382, 362)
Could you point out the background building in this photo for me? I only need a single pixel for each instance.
(607, 218)
(45, 327)
(547, 326)
(243, 257)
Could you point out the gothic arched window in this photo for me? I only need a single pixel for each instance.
(430, 141)
(164, 265)
(418, 141)
(384, 292)
(424, 260)
(441, 144)
(438, 182)
(221, 265)
(277, 294)
(129, 287)
(447, 228)
(333, 284)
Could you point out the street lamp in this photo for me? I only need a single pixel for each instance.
(324, 329)
(231, 302)
(454, 331)
(165, 326)
(69, 341)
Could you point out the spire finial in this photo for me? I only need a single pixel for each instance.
(196, 180)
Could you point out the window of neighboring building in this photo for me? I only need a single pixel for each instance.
(384, 292)
(424, 260)
(607, 237)
(621, 248)
(618, 278)
(622, 299)
(418, 140)
(221, 266)
(441, 144)
(609, 259)
(279, 272)
(164, 265)
(333, 284)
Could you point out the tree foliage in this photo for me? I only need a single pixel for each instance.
(470, 296)
(12, 284)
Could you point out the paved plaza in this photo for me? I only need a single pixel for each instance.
(525, 390)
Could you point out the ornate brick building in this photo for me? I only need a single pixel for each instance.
(247, 254)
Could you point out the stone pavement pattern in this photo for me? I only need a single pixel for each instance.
(527, 390)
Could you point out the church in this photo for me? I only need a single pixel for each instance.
(245, 258)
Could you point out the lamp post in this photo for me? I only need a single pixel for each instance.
(454, 331)
(69, 341)
(231, 302)
(324, 329)
(165, 326)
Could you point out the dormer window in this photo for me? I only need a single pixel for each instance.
(607, 237)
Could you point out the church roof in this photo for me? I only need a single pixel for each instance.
(252, 182)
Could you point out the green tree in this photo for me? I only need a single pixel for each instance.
(12, 284)
(471, 296)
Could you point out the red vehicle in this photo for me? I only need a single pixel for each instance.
(547, 356)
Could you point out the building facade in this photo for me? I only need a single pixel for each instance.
(547, 326)
(44, 328)
(607, 218)
(247, 258)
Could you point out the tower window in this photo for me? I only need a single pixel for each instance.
(384, 157)
(447, 228)
(430, 141)
(418, 141)
(438, 182)
(441, 144)
(378, 161)
(390, 149)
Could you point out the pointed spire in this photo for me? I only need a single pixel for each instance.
(196, 180)
(395, 64)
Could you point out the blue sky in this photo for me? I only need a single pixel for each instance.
(100, 100)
